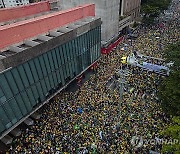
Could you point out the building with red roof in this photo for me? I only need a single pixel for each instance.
(41, 52)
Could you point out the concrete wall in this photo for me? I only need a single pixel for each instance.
(7, 14)
(17, 32)
(106, 9)
(132, 7)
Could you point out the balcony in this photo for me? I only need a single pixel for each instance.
(124, 21)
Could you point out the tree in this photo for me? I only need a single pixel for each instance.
(172, 132)
(152, 8)
(172, 54)
(169, 90)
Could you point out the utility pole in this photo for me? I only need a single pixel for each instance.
(121, 81)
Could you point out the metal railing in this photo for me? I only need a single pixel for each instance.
(124, 22)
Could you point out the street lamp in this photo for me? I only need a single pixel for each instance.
(121, 81)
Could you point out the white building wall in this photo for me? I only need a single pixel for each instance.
(106, 9)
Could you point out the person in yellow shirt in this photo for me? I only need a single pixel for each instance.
(124, 60)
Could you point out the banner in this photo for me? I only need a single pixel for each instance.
(106, 50)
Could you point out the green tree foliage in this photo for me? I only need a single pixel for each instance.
(169, 89)
(172, 54)
(170, 95)
(172, 132)
(152, 8)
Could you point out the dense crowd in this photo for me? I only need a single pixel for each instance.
(89, 120)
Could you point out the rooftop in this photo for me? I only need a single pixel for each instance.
(17, 32)
(32, 47)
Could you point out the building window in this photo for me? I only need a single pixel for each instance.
(120, 6)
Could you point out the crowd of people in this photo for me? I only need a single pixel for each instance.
(92, 119)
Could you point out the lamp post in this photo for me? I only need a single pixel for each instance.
(121, 81)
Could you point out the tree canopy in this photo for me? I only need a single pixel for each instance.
(172, 131)
(152, 8)
(172, 54)
(169, 90)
